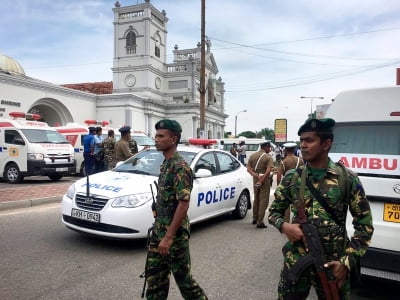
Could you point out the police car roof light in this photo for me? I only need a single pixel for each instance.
(17, 114)
(90, 122)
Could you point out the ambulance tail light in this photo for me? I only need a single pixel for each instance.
(395, 114)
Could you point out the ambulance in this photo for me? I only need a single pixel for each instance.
(29, 147)
(75, 133)
(367, 140)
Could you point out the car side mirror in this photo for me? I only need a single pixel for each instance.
(202, 173)
(18, 141)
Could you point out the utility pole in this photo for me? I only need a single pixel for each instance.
(203, 70)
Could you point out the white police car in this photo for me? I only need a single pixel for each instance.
(119, 202)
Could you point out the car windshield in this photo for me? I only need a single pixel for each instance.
(44, 136)
(143, 140)
(148, 162)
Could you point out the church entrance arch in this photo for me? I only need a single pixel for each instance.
(52, 111)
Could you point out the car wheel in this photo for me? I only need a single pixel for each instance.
(12, 173)
(55, 177)
(241, 206)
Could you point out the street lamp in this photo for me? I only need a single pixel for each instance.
(245, 110)
(311, 98)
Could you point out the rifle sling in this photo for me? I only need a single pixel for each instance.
(321, 200)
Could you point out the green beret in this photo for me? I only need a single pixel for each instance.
(169, 124)
(318, 125)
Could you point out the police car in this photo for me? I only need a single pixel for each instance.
(117, 203)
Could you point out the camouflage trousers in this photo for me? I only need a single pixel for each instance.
(178, 262)
(307, 279)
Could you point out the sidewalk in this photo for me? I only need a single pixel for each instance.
(30, 194)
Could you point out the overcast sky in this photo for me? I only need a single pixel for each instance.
(269, 53)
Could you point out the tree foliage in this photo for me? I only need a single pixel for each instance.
(267, 133)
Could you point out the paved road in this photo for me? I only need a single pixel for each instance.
(41, 259)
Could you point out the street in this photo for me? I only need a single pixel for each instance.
(231, 259)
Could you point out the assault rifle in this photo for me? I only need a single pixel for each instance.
(153, 208)
(315, 254)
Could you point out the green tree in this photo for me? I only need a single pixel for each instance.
(267, 133)
(248, 134)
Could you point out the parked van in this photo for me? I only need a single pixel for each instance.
(75, 133)
(367, 140)
(29, 147)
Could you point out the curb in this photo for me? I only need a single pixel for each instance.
(9, 205)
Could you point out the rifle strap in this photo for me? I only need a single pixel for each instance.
(320, 199)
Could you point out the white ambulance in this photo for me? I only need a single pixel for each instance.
(367, 140)
(29, 147)
(75, 133)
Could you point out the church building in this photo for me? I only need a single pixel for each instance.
(145, 87)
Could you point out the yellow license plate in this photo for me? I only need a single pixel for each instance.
(391, 212)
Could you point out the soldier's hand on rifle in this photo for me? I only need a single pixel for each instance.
(294, 233)
(339, 270)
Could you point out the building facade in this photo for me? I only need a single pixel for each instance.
(145, 88)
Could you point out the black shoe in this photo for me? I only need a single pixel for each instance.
(254, 222)
(261, 225)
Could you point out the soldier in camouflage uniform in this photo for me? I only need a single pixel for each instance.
(133, 146)
(289, 162)
(109, 150)
(169, 241)
(341, 254)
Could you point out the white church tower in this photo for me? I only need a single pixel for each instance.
(140, 34)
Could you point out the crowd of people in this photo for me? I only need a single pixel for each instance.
(103, 154)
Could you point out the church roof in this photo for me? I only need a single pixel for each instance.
(98, 88)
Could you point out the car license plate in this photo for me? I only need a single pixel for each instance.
(85, 215)
(391, 212)
(61, 169)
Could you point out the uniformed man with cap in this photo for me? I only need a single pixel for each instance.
(327, 211)
(169, 242)
(289, 162)
(88, 151)
(259, 166)
(122, 151)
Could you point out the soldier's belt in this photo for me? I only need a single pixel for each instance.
(331, 230)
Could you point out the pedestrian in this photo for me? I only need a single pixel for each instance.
(169, 241)
(326, 206)
(241, 150)
(109, 150)
(122, 151)
(233, 150)
(88, 151)
(221, 145)
(259, 166)
(289, 162)
(98, 151)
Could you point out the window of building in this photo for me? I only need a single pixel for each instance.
(131, 43)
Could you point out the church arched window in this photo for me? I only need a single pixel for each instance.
(131, 43)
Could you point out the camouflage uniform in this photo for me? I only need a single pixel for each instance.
(175, 184)
(133, 146)
(333, 236)
(109, 152)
